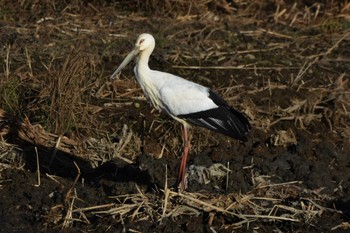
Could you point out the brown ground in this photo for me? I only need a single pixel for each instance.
(108, 162)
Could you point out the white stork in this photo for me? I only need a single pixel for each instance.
(183, 100)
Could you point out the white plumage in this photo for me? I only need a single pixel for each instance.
(185, 101)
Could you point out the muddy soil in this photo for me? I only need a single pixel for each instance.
(298, 151)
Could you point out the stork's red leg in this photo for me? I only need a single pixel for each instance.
(181, 177)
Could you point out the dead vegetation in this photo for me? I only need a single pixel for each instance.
(266, 202)
(284, 64)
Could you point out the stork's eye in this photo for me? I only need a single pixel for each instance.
(141, 41)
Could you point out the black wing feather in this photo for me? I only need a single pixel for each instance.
(222, 119)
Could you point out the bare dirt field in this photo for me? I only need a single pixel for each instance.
(79, 153)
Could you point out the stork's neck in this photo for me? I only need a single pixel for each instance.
(144, 58)
(142, 69)
(144, 77)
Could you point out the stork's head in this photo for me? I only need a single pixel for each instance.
(144, 45)
(145, 41)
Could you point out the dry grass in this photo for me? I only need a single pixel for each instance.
(266, 202)
(57, 91)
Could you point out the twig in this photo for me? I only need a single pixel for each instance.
(205, 204)
(94, 207)
(305, 67)
(7, 61)
(74, 183)
(124, 141)
(321, 207)
(264, 31)
(161, 152)
(270, 217)
(136, 211)
(54, 152)
(121, 210)
(166, 194)
(343, 225)
(227, 173)
(134, 231)
(37, 166)
(235, 68)
(69, 216)
(279, 184)
(52, 177)
(29, 62)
